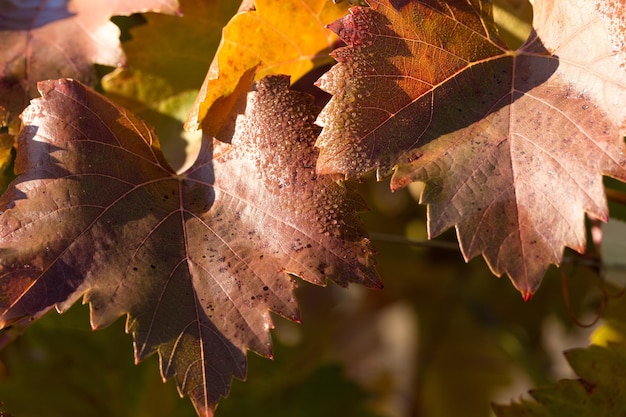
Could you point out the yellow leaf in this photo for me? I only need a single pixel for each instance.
(279, 37)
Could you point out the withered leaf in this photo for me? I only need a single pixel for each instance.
(512, 144)
(197, 260)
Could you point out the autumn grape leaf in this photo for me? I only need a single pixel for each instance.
(599, 390)
(278, 37)
(41, 40)
(197, 260)
(512, 145)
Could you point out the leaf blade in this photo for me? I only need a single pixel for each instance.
(502, 138)
(197, 260)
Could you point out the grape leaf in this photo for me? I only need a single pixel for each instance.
(197, 260)
(598, 392)
(41, 40)
(277, 37)
(512, 145)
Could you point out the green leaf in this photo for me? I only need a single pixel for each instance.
(6, 159)
(73, 371)
(289, 389)
(159, 67)
(599, 390)
(163, 74)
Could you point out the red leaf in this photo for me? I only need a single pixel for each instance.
(196, 260)
(511, 144)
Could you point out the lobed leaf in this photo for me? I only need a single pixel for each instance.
(196, 260)
(512, 145)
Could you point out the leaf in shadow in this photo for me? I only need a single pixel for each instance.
(40, 40)
(196, 260)
(598, 390)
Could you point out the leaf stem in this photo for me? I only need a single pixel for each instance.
(437, 244)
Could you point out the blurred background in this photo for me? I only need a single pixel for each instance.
(443, 338)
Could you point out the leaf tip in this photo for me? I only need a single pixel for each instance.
(334, 26)
(44, 87)
(527, 295)
(296, 318)
(353, 27)
(63, 85)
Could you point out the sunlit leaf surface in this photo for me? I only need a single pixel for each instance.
(512, 145)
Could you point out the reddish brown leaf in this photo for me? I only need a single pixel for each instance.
(511, 144)
(42, 39)
(196, 260)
